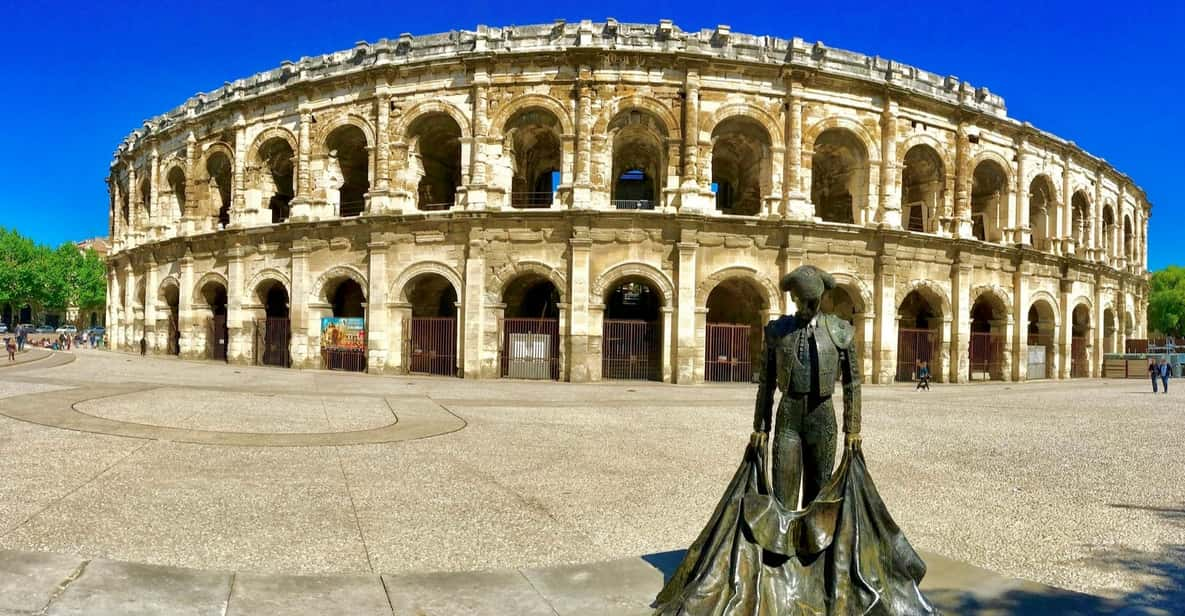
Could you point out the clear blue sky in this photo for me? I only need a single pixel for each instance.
(78, 77)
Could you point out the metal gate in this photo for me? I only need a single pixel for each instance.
(1079, 367)
(1038, 360)
(727, 356)
(913, 346)
(630, 350)
(216, 337)
(432, 345)
(277, 332)
(530, 349)
(342, 358)
(986, 356)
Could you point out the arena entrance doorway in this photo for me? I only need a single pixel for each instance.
(172, 297)
(217, 334)
(919, 323)
(1040, 341)
(431, 332)
(631, 336)
(734, 332)
(986, 351)
(348, 302)
(531, 329)
(1079, 333)
(274, 335)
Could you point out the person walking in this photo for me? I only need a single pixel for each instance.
(1153, 372)
(20, 338)
(10, 346)
(143, 346)
(923, 377)
(1165, 371)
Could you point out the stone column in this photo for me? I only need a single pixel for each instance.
(154, 215)
(690, 199)
(114, 335)
(668, 333)
(185, 321)
(960, 338)
(298, 306)
(1067, 328)
(1023, 226)
(131, 342)
(890, 201)
(884, 334)
(382, 157)
(238, 330)
(580, 367)
(476, 192)
(301, 205)
(962, 216)
(378, 344)
(472, 305)
(1099, 327)
(133, 222)
(687, 351)
(239, 215)
(1019, 321)
(151, 283)
(190, 213)
(798, 205)
(582, 189)
(1119, 256)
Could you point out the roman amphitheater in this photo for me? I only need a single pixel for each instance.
(588, 201)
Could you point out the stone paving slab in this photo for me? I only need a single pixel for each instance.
(29, 580)
(127, 589)
(299, 595)
(477, 593)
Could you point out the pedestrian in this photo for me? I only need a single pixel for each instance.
(923, 376)
(143, 346)
(1166, 371)
(20, 338)
(1153, 371)
(10, 346)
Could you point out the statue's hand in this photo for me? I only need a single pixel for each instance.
(851, 439)
(759, 438)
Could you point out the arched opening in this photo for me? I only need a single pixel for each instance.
(218, 184)
(1080, 221)
(276, 171)
(1042, 212)
(533, 144)
(171, 296)
(1108, 232)
(435, 151)
(923, 183)
(988, 186)
(432, 330)
(213, 293)
(919, 335)
(124, 200)
(740, 165)
(1079, 334)
(531, 329)
(735, 327)
(839, 176)
(343, 334)
(272, 340)
(1109, 337)
(986, 351)
(638, 146)
(348, 150)
(146, 196)
(631, 337)
(1127, 239)
(176, 180)
(1040, 341)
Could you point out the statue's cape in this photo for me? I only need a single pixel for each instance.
(841, 555)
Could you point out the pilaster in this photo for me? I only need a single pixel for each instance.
(688, 351)
(378, 343)
(960, 339)
(889, 210)
(581, 367)
(473, 305)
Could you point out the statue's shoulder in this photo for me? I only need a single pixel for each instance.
(842, 333)
(779, 327)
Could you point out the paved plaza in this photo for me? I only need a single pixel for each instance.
(263, 471)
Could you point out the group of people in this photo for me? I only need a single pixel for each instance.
(20, 339)
(1162, 371)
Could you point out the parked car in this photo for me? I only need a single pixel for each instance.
(3, 328)
(67, 329)
(25, 327)
(44, 329)
(97, 331)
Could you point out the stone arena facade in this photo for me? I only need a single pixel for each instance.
(584, 201)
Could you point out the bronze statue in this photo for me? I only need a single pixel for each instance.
(841, 553)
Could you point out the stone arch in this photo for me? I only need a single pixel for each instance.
(927, 289)
(857, 289)
(705, 287)
(994, 293)
(214, 148)
(418, 110)
(398, 288)
(521, 103)
(496, 288)
(640, 270)
(334, 273)
(168, 282)
(997, 158)
(861, 133)
(272, 133)
(750, 111)
(206, 279)
(926, 139)
(637, 101)
(1048, 298)
(338, 121)
(266, 274)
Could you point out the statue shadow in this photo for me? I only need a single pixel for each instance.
(666, 562)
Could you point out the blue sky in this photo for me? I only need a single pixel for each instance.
(77, 77)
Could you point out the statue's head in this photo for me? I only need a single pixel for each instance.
(806, 286)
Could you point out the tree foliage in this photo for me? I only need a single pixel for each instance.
(1166, 301)
(52, 278)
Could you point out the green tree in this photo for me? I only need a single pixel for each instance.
(53, 279)
(1166, 301)
(19, 282)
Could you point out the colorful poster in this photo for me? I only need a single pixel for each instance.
(343, 333)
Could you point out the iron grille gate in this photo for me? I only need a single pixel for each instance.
(986, 355)
(272, 342)
(1079, 367)
(216, 337)
(340, 358)
(432, 345)
(530, 349)
(630, 350)
(727, 356)
(913, 346)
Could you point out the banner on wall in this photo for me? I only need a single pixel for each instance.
(343, 333)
